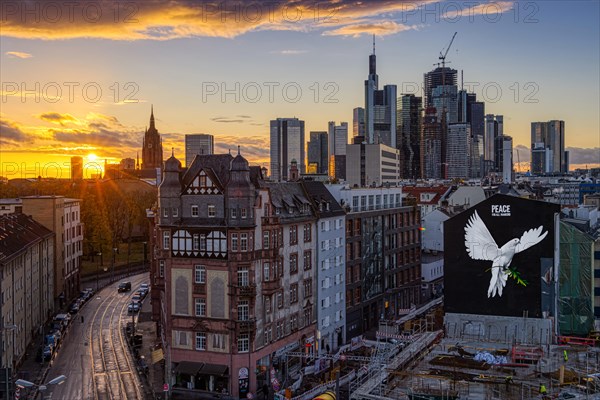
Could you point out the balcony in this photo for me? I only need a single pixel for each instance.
(270, 287)
(200, 289)
(248, 325)
(244, 291)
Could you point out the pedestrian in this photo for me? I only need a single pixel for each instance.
(566, 357)
(508, 381)
(542, 389)
(82, 319)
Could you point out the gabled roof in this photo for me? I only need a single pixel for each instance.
(17, 232)
(416, 191)
(215, 165)
(288, 196)
(320, 195)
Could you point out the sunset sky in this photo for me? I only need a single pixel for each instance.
(78, 78)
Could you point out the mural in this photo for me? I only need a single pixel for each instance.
(481, 245)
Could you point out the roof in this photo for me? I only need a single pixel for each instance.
(289, 197)
(215, 165)
(18, 232)
(319, 195)
(417, 191)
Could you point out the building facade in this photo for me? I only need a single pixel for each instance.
(549, 135)
(358, 121)
(383, 248)
(318, 153)
(287, 144)
(457, 151)
(152, 150)
(63, 217)
(198, 143)
(26, 280)
(338, 139)
(372, 164)
(410, 136)
(234, 275)
(431, 146)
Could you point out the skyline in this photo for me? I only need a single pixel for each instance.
(179, 60)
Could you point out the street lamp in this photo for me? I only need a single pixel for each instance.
(22, 383)
(10, 327)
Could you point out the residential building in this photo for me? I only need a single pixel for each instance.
(27, 279)
(198, 143)
(372, 164)
(62, 216)
(318, 153)
(330, 268)
(383, 249)
(287, 144)
(428, 198)
(9, 206)
(234, 284)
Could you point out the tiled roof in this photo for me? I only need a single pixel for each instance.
(319, 194)
(416, 191)
(17, 232)
(288, 197)
(218, 164)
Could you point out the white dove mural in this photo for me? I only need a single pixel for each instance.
(482, 246)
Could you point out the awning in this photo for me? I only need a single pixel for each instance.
(214, 369)
(188, 367)
(157, 355)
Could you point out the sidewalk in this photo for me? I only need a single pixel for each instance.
(153, 379)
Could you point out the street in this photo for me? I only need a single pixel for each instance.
(95, 356)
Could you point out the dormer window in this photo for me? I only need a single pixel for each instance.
(234, 213)
(195, 211)
(327, 206)
(243, 213)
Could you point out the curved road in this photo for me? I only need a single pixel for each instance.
(94, 355)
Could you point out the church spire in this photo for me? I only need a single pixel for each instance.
(152, 117)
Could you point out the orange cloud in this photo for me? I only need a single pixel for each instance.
(164, 20)
(18, 54)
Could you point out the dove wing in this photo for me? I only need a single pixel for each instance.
(530, 238)
(479, 241)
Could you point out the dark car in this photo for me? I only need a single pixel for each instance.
(124, 287)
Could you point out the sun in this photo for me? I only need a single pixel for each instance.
(92, 157)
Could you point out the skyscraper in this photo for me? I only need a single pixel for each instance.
(445, 97)
(380, 108)
(358, 122)
(318, 152)
(76, 168)
(410, 136)
(338, 139)
(550, 135)
(198, 143)
(152, 150)
(475, 117)
(287, 144)
(457, 143)
(431, 145)
(438, 77)
(494, 127)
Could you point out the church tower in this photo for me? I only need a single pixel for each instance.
(152, 151)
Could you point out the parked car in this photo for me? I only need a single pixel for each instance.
(136, 297)
(47, 352)
(133, 307)
(74, 309)
(124, 287)
(145, 286)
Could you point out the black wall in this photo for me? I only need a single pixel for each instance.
(466, 281)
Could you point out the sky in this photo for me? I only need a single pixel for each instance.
(79, 78)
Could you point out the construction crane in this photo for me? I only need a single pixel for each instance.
(445, 53)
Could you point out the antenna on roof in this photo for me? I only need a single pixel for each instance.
(238, 149)
(373, 44)
(172, 151)
(229, 151)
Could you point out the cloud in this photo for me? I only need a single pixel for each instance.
(166, 20)
(289, 52)
(57, 118)
(12, 133)
(578, 155)
(228, 120)
(18, 54)
(491, 9)
(256, 149)
(379, 28)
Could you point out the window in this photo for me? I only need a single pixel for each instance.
(243, 310)
(266, 271)
(161, 268)
(200, 307)
(266, 236)
(196, 242)
(166, 240)
(175, 212)
(307, 233)
(267, 304)
(293, 293)
(200, 341)
(307, 260)
(280, 300)
(243, 277)
(234, 242)
(293, 263)
(268, 335)
(212, 211)
(294, 322)
(202, 181)
(234, 213)
(308, 288)
(199, 274)
(243, 242)
(279, 329)
(165, 213)
(243, 343)
(194, 211)
(218, 341)
(202, 242)
(243, 213)
(293, 234)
